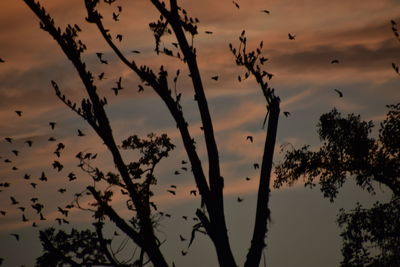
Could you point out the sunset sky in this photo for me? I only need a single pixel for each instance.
(303, 231)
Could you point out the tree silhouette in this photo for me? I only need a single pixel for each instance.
(371, 236)
(135, 179)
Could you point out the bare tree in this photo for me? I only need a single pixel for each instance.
(136, 178)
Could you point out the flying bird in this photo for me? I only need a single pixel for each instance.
(184, 253)
(256, 166)
(16, 152)
(339, 92)
(100, 56)
(2, 60)
(236, 4)
(266, 11)
(29, 142)
(172, 192)
(33, 185)
(335, 61)
(173, 186)
(291, 36)
(286, 113)
(19, 112)
(52, 124)
(80, 133)
(177, 173)
(52, 139)
(71, 176)
(182, 238)
(24, 219)
(239, 199)
(250, 138)
(248, 178)
(193, 192)
(42, 218)
(215, 78)
(14, 201)
(208, 32)
(43, 177)
(8, 139)
(135, 51)
(101, 76)
(57, 165)
(119, 37)
(62, 190)
(115, 16)
(16, 236)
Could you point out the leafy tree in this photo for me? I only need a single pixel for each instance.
(135, 179)
(371, 236)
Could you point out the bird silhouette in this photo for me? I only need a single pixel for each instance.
(119, 37)
(57, 165)
(34, 199)
(100, 56)
(172, 192)
(101, 76)
(335, 61)
(29, 142)
(215, 78)
(115, 16)
(193, 192)
(184, 217)
(16, 236)
(43, 177)
(16, 152)
(14, 201)
(250, 138)
(183, 162)
(239, 199)
(34, 224)
(38, 207)
(339, 92)
(182, 238)
(80, 133)
(71, 176)
(24, 219)
(266, 11)
(8, 139)
(256, 166)
(52, 139)
(173, 186)
(2, 60)
(42, 218)
(208, 32)
(177, 173)
(52, 124)
(286, 113)
(60, 146)
(2, 212)
(7, 161)
(248, 178)
(184, 253)
(236, 4)
(33, 185)
(135, 51)
(21, 209)
(291, 36)
(62, 190)
(19, 112)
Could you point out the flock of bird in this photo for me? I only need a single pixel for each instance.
(38, 207)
